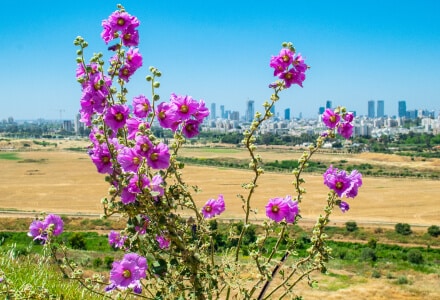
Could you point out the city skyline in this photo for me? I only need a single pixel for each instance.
(220, 52)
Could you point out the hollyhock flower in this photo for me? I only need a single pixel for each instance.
(277, 64)
(133, 58)
(277, 209)
(298, 63)
(128, 196)
(202, 111)
(159, 157)
(191, 128)
(116, 240)
(130, 37)
(164, 243)
(129, 271)
(356, 179)
(342, 183)
(56, 222)
(293, 210)
(156, 185)
(101, 157)
(143, 145)
(285, 57)
(349, 117)
(166, 115)
(330, 118)
(292, 77)
(138, 183)
(344, 206)
(213, 207)
(133, 125)
(118, 21)
(125, 72)
(141, 106)
(129, 159)
(37, 230)
(116, 116)
(345, 129)
(185, 106)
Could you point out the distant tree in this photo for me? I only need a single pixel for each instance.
(403, 228)
(351, 226)
(415, 256)
(434, 230)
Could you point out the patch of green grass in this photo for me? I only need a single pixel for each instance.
(29, 277)
(219, 150)
(9, 156)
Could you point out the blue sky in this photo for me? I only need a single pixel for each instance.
(219, 51)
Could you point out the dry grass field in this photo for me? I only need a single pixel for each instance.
(52, 179)
(55, 180)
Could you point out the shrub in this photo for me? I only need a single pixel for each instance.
(372, 243)
(108, 261)
(403, 228)
(376, 274)
(351, 226)
(415, 256)
(77, 241)
(368, 254)
(434, 230)
(97, 262)
(402, 280)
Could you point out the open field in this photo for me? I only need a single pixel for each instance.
(67, 182)
(52, 179)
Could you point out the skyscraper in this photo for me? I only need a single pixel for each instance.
(212, 112)
(328, 104)
(287, 114)
(402, 108)
(222, 112)
(250, 110)
(371, 109)
(380, 108)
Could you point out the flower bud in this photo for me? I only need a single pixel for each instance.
(156, 84)
(148, 78)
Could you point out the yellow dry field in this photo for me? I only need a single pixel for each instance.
(54, 180)
(67, 182)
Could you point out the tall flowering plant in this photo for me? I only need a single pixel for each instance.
(168, 242)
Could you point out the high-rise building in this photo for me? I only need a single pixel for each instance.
(401, 108)
(380, 109)
(321, 110)
(371, 109)
(287, 114)
(250, 110)
(222, 112)
(212, 112)
(328, 104)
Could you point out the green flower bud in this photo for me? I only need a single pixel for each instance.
(156, 84)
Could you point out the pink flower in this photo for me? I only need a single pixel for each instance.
(128, 272)
(330, 118)
(166, 115)
(277, 209)
(185, 106)
(213, 207)
(116, 240)
(101, 157)
(116, 116)
(280, 208)
(129, 159)
(344, 206)
(345, 129)
(341, 183)
(159, 157)
(143, 146)
(141, 106)
(133, 58)
(164, 243)
(191, 128)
